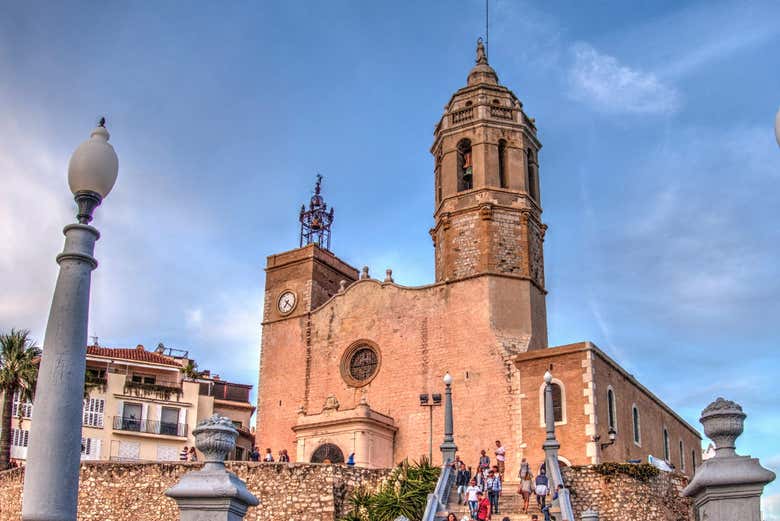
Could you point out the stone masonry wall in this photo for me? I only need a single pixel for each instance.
(624, 498)
(132, 492)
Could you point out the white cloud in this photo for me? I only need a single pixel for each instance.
(609, 86)
(771, 507)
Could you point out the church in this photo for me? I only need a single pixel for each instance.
(346, 358)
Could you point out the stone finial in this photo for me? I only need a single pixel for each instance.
(724, 422)
(388, 275)
(213, 493)
(342, 286)
(331, 403)
(364, 274)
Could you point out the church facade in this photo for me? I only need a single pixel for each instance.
(345, 357)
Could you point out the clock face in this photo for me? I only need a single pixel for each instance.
(286, 302)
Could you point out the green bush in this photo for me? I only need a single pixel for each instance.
(641, 472)
(404, 493)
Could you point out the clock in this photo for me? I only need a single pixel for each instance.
(287, 301)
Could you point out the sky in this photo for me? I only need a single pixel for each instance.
(659, 171)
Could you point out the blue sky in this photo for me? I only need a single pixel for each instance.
(659, 169)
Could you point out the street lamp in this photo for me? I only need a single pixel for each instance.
(51, 479)
(448, 447)
(611, 434)
(435, 401)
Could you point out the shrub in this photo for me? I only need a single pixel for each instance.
(641, 472)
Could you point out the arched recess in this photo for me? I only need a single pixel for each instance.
(637, 425)
(327, 453)
(502, 173)
(559, 402)
(611, 409)
(465, 166)
(533, 174)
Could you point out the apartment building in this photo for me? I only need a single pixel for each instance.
(141, 406)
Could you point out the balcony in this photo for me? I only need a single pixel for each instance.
(150, 427)
(225, 391)
(159, 388)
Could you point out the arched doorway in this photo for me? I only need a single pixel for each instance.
(327, 453)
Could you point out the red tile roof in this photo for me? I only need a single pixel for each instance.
(138, 354)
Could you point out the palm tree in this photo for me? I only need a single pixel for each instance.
(19, 357)
(190, 370)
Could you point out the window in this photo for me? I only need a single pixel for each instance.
(611, 409)
(240, 454)
(682, 456)
(237, 424)
(20, 437)
(637, 433)
(666, 445)
(21, 408)
(169, 421)
(502, 163)
(144, 379)
(465, 166)
(559, 403)
(693, 460)
(530, 164)
(363, 364)
(90, 448)
(93, 412)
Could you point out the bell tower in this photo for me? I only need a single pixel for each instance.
(488, 207)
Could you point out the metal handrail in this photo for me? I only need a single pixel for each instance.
(150, 426)
(437, 501)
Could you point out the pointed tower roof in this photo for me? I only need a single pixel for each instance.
(482, 72)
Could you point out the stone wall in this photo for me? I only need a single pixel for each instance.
(132, 492)
(623, 498)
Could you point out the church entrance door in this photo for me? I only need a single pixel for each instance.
(327, 453)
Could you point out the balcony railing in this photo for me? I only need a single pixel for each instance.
(150, 426)
(162, 389)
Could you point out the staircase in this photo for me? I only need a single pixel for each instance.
(509, 505)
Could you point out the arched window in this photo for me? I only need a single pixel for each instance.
(666, 445)
(502, 164)
(611, 409)
(693, 460)
(465, 166)
(682, 456)
(637, 433)
(327, 453)
(438, 178)
(531, 168)
(559, 402)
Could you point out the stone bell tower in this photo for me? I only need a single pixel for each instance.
(488, 207)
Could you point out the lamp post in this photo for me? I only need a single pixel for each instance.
(550, 444)
(435, 401)
(612, 436)
(51, 479)
(448, 447)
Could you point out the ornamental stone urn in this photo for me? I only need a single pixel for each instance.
(213, 493)
(727, 486)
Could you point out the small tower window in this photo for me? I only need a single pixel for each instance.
(465, 166)
(693, 460)
(611, 409)
(438, 179)
(530, 165)
(502, 163)
(682, 456)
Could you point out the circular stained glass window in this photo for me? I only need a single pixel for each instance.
(363, 363)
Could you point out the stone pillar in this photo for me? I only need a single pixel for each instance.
(51, 483)
(727, 486)
(448, 447)
(590, 515)
(213, 493)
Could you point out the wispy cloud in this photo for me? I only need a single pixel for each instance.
(600, 80)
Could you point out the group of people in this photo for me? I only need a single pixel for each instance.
(283, 457)
(188, 454)
(481, 490)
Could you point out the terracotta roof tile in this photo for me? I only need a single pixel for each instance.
(138, 354)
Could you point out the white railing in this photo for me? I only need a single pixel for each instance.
(437, 501)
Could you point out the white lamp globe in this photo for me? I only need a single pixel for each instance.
(93, 166)
(547, 377)
(447, 379)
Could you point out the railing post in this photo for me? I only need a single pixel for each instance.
(590, 515)
(213, 493)
(727, 486)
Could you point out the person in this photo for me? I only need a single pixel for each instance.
(452, 517)
(500, 453)
(472, 499)
(493, 485)
(546, 512)
(541, 488)
(524, 467)
(351, 460)
(534, 517)
(284, 457)
(193, 454)
(526, 484)
(455, 463)
(483, 507)
(254, 454)
(462, 479)
(184, 453)
(483, 466)
(269, 457)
